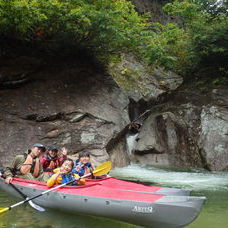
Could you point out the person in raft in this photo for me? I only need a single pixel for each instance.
(28, 165)
(83, 165)
(63, 175)
(53, 158)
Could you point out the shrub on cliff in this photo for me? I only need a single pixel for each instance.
(100, 26)
(103, 26)
(205, 23)
(106, 27)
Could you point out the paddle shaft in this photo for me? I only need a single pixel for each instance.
(31, 203)
(17, 190)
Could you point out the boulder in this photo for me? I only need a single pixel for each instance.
(213, 140)
(185, 133)
(165, 140)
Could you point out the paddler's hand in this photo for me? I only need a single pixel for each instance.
(62, 172)
(8, 180)
(63, 151)
(32, 156)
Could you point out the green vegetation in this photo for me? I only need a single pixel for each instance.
(207, 27)
(100, 26)
(106, 28)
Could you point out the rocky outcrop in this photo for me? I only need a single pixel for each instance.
(213, 140)
(71, 105)
(77, 106)
(154, 7)
(17, 71)
(166, 140)
(139, 81)
(186, 133)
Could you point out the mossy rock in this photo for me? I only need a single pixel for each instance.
(139, 80)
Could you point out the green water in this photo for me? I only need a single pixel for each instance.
(25, 216)
(215, 211)
(212, 185)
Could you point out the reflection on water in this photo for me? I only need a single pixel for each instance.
(215, 211)
(212, 185)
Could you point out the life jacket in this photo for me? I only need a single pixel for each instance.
(65, 178)
(53, 162)
(82, 169)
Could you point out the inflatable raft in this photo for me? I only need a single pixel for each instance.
(135, 207)
(112, 182)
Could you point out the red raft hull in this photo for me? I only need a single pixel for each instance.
(114, 183)
(132, 206)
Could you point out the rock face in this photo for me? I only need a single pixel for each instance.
(67, 105)
(214, 137)
(186, 133)
(165, 140)
(139, 81)
(76, 106)
(15, 72)
(154, 7)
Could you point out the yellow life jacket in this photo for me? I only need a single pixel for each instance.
(57, 179)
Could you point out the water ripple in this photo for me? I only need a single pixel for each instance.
(192, 179)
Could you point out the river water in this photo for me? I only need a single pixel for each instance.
(212, 185)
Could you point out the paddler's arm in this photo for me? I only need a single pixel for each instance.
(78, 180)
(10, 171)
(53, 180)
(27, 165)
(8, 180)
(8, 174)
(62, 155)
(92, 167)
(36, 171)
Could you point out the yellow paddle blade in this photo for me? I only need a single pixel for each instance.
(102, 169)
(3, 210)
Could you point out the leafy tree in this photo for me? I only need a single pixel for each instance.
(109, 27)
(207, 28)
(99, 25)
(213, 7)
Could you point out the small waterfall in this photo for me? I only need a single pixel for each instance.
(131, 141)
(131, 137)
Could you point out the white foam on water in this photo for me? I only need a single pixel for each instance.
(131, 141)
(194, 180)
